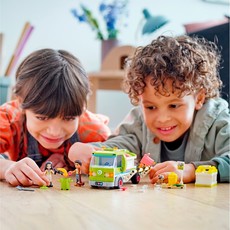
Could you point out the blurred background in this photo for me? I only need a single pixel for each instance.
(56, 27)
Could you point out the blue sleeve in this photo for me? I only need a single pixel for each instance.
(223, 167)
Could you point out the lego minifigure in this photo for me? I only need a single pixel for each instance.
(160, 179)
(77, 170)
(180, 167)
(49, 171)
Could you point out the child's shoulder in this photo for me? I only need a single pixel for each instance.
(214, 110)
(10, 111)
(215, 106)
(93, 127)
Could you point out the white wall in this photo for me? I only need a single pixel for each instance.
(56, 28)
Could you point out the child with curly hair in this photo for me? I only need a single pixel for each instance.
(179, 114)
(47, 117)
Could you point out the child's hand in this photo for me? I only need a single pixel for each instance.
(24, 172)
(171, 166)
(83, 152)
(57, 160)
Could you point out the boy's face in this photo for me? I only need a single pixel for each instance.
(77, 165)
(169, 117)
(50, 133)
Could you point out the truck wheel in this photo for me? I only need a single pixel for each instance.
(119, 182)
(135, 179)
(94, 186)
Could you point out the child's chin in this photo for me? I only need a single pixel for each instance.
(51, 146)
(168, 139)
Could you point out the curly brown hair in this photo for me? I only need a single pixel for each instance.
(191, 63)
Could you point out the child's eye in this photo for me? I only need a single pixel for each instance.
(69, 118)
(42, 118)
(174, 106)
(150, 107)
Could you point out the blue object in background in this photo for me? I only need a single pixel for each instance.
(4, 87)
(152, 22)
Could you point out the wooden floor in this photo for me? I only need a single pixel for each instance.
(139, 207)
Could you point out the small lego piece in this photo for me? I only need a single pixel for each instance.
(172, 178)
(44, 187)
(65, 180)
(145, 165)
(180, 167)
(123, 189)
(24, 188)
(172, 182)
(65, 183)
(206, 176)
(143, 188)
(160, 180)
(147, 160)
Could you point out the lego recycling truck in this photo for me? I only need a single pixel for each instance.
(111, 167)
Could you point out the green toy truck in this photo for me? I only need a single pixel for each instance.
(111, 167)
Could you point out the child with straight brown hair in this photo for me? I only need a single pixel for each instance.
(48, 116)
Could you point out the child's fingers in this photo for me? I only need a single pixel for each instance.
(154, 172)
(80, 151)
(18, 179)
(38, 179)
(159, 169)
(32, 171)
(23, 179)
(12, 180)
(156, 178)
(167, 166)
(15, 176)
(153, 180)
(42, 168)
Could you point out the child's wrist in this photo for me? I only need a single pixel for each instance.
(189, 173)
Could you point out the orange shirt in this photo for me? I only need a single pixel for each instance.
(92, 128)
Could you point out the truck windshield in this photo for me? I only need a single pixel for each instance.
(106, 161)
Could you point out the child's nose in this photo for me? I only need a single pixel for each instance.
(163, 117)
(54, 129)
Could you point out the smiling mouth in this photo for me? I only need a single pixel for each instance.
(166, 130)
(52, 140)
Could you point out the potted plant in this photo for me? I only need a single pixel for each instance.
(112, 16)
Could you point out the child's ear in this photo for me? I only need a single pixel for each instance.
(200, 98)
